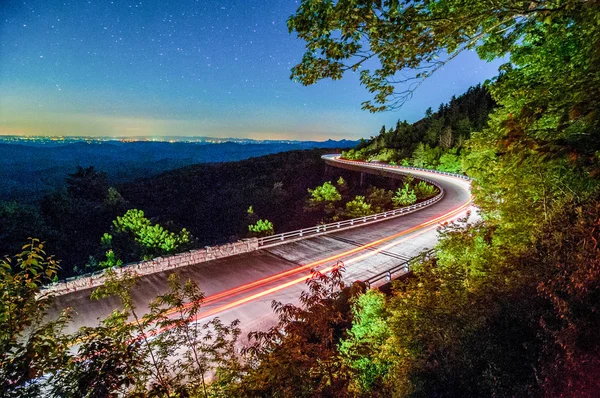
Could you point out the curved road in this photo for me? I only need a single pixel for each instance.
(243, 286)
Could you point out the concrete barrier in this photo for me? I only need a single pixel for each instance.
(159, 264)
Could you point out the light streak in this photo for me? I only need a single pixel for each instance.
(262, 282)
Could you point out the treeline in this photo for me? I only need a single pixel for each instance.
(437, 141)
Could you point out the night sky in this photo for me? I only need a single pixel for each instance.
(164, 68)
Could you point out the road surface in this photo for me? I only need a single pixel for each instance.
(243, 286)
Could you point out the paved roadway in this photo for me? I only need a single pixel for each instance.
(243, 286)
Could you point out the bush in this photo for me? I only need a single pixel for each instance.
(325, 193)
(404, 196)
(262, 228)
(358, 208)
(425, 190)
(379, 199)
(450, 162)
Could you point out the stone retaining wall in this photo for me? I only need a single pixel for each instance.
(155, 265)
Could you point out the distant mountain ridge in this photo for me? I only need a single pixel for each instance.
(58, 140)
(31, 168)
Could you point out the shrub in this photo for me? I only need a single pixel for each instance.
(262, 228)
(425, 190)
(358, 207)
(404, 196)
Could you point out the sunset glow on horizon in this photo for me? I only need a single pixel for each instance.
(185, 69)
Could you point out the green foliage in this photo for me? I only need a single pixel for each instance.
(113, 197)
(323, 199)
(176, 199)
(262, 228)
(404, 196)
(29, 345)
(154, 239)
(510, 305)
(106, 240)
(110, 261)
(450, 162)
(342, 186)
(355, 154)
(358, 208)
(137, 358)
(324, 193)
(424, 190)
(340, 37)
(363, 351)
(80, 213)
(387, 155)
(380, 199)
(419, 157)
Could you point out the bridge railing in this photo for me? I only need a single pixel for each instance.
(345, 224)
(400, 269)
(381, 165)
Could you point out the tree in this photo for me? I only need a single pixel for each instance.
(476, 321)
(419, 158)
(363, 352)
(324, 193)
(450, 162)
(88, 184)
(164, 352)
(262, 228)
(379, 199)
(81, 212)
(154, 240)
(298, 356)
(341, 36)
(424, 190)
(342, 186)
(324, 198)
(30, 346)
(258, 227)
(447, 138)
(404, 196)
(357, 207)
(18, 223)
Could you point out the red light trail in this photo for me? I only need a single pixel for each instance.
(424, 227)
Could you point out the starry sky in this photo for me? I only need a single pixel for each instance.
(161, 68)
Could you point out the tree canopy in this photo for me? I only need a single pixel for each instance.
(384, 38)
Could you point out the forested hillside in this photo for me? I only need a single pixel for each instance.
(437, 141)
(29, 169)
(208, 202)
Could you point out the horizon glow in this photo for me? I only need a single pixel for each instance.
(186, 68)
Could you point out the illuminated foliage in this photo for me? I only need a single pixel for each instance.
(450, 162)
(154, 239)
(404, 196)
(298, 357)
(358, 207)
(262, 228)
(380, 199)
(363, 350)
(424, 190)
(508, 308)
(324, 193)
